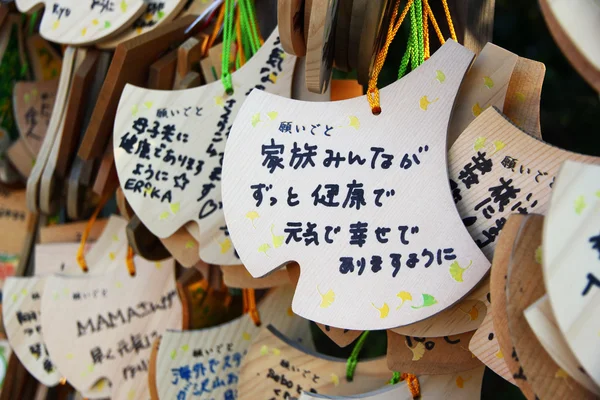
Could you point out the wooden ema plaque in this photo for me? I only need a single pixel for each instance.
(158, 12)
(77, 22)
(15, 218)
(277, 368)
(524, 285)
(484, 344)
(165, 182)
(571, 260)
(206, 363)
(111, 320)
(430, 356)
(541, 319)
(462, 386)
(574, 25)
(326, 185)
(496, 169)
(22, 305)
(33, 104)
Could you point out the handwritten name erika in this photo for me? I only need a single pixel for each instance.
(123, 317)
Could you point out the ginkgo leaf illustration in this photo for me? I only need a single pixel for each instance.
(148, 104)
(538, 255)
(499, 354)
(476, 109)
(561, 373)
(173, 354)
(580, 205)
(277, 239)
(424, 103)
(384, 311)
(418, 351)
(428, 301)
(185, 347)
(164, 215)
(440, 76)
(134, 110)
(456, 271)
(354, 122)
(479, 143)
(473, 313)
(255, 119)
(175, 207)
(219, 101)
(488, 82)
(246, 336)
(327, 299)
(404, 296)
(123, 6)
(189, 244)
(264, 350)
(335, 380)
(272, 115)
(252, 215)
(226, 245)
(263, 248)
(460, 382)
(598, 194)
(498, 145)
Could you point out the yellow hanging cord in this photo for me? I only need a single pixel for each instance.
(434, 23)
(80, 256)
(373, 91)
(449, 18)
(250, 305)
(216, 28)
(427, 51)
(129, 261)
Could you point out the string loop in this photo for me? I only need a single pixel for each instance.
(249, 297)
(353, 359)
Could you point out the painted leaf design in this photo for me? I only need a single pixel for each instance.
(428, 301)
(538, 255)
(277, 239)
(327, 299)
(456, 271)
(272, 115)
(499, 145)
(123, 6)
(404, 296)
(252, 215)
(561, 373)
(488, 82)
(460, 382)
(384, 311)
(479, 143)
(440, 76)
(255, 120)
(263, 248)
(473, 313)
(476, 109)
(418, 351)
(354, 122)
(580, 205)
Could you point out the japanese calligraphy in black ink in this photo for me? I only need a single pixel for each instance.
(571, 260)
(497, 170)
(207, 362)
(169, 149)
(343, 193)
(102, 326)
(80, 22)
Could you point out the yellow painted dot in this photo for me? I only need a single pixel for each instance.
(189, 244)
(246, 336)
(95, 22)
(276, 351)
(112, 256)
(264, 350)
(83, 31)
(158, 265)
(55, 25)
(115, 238)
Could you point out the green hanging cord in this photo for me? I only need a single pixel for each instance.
(353, 359)
(404, 62)
(33, 22)
(228, 37)
(249, 49)
(418, 4)
(253, 24)
(247, 27)
(414, 60)
(396, 377)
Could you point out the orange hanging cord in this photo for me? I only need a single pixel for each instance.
(373, 91)
(129, 261)
(80, 252)
(216, 28)
(249, 297)
(449, 19)
(434, 23)
(426, 49)
(238, 39)
(412, 382)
